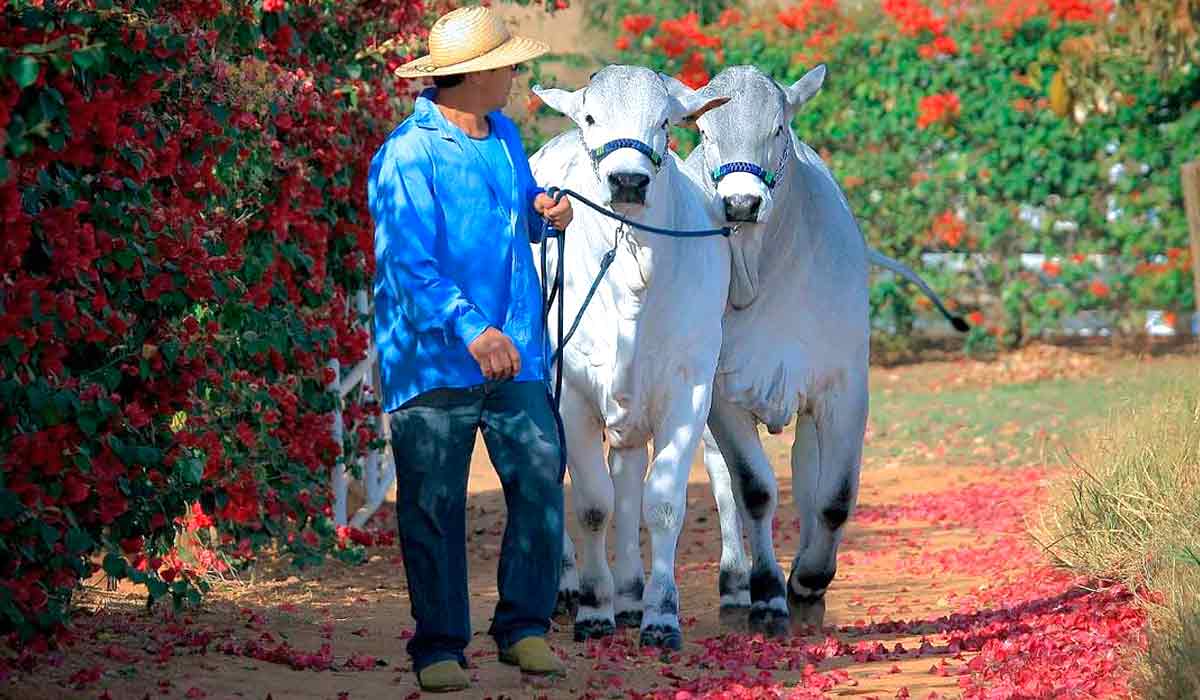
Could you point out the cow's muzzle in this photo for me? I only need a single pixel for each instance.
(629, 188)
(742, 208)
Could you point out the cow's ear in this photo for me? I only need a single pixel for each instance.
(803, 89)
(687, 105)
(566, 102)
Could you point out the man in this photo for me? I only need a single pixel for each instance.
(460, 337)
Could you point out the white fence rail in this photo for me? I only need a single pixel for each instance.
(376, 466)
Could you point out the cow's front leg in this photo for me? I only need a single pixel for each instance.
(592, 498)
(734, 579)
(628, 467)
(664, 505)
(737, 436)
(568, 583)
(826, 462)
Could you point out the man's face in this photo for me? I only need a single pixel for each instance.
(496, 84)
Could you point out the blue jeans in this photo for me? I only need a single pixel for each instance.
(433, 436)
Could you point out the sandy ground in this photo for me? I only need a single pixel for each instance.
(364, 611)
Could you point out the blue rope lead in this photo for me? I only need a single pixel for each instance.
(558, 193)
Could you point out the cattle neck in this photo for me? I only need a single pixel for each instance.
(758, 246)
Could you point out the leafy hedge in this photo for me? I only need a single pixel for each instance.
(954, 131)
(182, 194)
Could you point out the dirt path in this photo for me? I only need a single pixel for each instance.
(934, 569)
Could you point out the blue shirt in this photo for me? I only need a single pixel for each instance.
(453, 222)
(496, 156)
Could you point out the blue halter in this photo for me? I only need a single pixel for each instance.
(769, 177)
(600, 153)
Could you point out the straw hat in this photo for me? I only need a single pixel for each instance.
(471, 39)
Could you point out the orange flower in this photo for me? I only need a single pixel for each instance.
(799, 17)
(1098, 289)
(729, 18)
(637, 24)
(677, 36)
(533, 104)
(1051, 268)
(975, 318)
(1077, 258)
(622, 43)
(852, 181)
(949, 229)
(940, 108)
(946, 45)
(914, 18)
(694, 74)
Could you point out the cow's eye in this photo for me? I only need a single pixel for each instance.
(588, 118)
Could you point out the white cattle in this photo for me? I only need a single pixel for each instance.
(640, 366)
(796, 341)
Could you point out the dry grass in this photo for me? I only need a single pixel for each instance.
(1129, 510)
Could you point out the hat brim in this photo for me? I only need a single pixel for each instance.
(510, 53)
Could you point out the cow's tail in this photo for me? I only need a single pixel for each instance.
(877, 258)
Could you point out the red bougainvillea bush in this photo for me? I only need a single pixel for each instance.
(182, 196)
(953, 130)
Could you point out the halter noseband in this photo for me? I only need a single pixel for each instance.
(599, 154)
(769, 177)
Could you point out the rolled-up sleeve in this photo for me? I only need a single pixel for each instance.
(406, 224)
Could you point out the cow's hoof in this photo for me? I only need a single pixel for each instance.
(770, 622)
(593, 629)
(733, 617)
(807, 611)
(663, 637)
(566, 605)
(629, 618)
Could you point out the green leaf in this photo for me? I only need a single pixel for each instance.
(10, 505)
(157, 588)
(78, 541)
(191, 471)
(125, 258)
(91, 57)
(89, 423)
(24, 70)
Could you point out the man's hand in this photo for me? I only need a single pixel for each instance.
(560, 214)
(496, 355)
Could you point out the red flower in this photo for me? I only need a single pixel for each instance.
(914, 18)
(729, 18)
(637, 24)
(622, 43)
(272, 5)
(694, 74)
(1051, 268)
(75, 490)
(1080, 10)
(677, 36)
(949, 229)
(1098, 289)
(940, 108)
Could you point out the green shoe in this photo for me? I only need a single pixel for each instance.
(443, 677)
(534, 656)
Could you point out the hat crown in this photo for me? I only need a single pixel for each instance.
(465, 33)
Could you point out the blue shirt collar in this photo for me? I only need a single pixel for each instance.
(427, 115)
